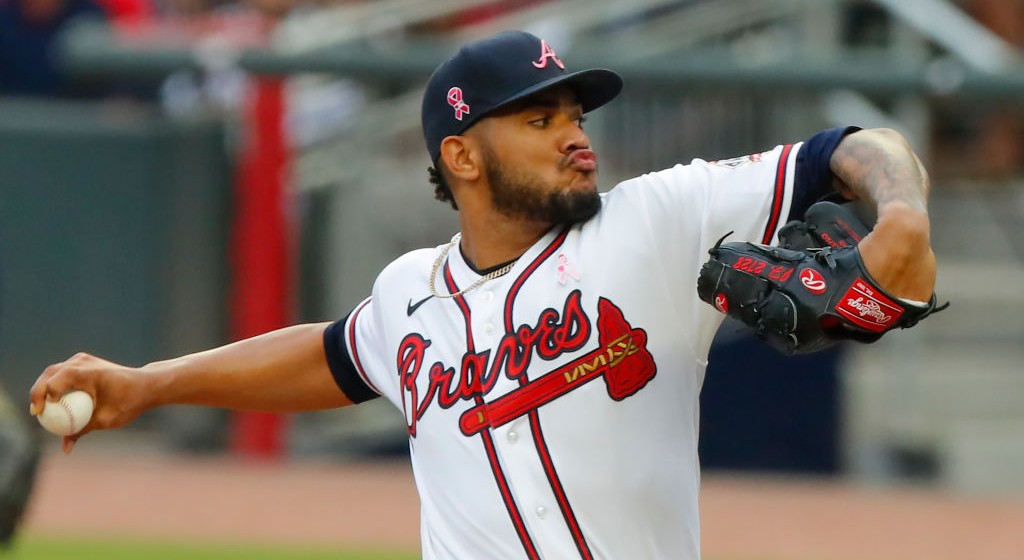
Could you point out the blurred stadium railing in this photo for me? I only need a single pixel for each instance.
(939, 404)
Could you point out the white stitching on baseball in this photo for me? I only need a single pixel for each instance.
(71, 415)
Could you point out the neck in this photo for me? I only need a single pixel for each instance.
(493, 239)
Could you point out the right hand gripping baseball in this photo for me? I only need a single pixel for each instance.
(118, 391)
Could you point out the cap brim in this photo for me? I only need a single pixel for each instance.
(593, 88)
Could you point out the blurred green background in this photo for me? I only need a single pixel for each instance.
(40, 548)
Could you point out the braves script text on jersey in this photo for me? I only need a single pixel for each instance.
(553, 412)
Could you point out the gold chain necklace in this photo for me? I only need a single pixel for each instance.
(437, 265)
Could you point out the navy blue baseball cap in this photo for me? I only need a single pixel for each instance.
(491, 73)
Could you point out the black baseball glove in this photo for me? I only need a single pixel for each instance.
(812, 292)
(19, 457)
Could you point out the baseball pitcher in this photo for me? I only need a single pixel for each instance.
(548, 359)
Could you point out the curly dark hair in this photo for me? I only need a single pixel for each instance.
(441, 190)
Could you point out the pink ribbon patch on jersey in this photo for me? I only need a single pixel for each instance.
(565, 270)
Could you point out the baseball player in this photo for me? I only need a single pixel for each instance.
(548, 359)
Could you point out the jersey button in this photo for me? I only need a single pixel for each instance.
(489, 328)
(542, 512)
(512, 437)
(487, 295)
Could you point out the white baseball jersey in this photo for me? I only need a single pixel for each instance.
(553, 411)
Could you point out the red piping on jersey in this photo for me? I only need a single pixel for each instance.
(777, 196)
(492, 456)
(352, 345)
(538, 436)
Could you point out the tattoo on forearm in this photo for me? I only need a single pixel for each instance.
(881, 169)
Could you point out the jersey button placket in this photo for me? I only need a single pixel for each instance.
(531, 488)
(489, 316)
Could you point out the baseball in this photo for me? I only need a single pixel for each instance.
(68, 415)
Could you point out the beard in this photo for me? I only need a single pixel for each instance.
(520, 194)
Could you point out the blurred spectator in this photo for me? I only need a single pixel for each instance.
(999, 145)
(29, 34)
(191, 8)
(273, 10)
(127, 11)
(1004, 17)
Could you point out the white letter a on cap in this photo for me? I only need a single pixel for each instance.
(547, 53)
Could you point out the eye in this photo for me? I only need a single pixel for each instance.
(580, 121)
(541, 122)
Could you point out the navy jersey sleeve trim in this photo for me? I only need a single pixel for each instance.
(343, 368)
(813, 179)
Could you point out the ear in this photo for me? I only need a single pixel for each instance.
(460, 155)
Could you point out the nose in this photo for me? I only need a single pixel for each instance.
(574, 137)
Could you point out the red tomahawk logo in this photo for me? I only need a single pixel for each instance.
(622, 359)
